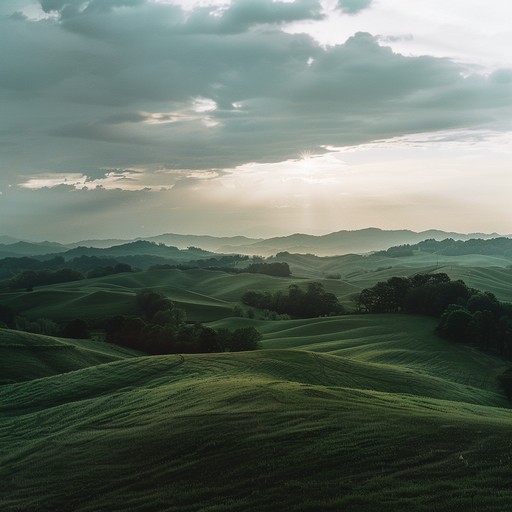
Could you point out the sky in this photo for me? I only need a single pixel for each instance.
(131, 118)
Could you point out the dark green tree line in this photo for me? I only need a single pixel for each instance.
(159, 327)
(312, 302)
(465, 314)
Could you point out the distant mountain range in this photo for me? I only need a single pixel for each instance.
(345, 242)
(340, 242)
(206, 242)
(139, 248)
(19, 249)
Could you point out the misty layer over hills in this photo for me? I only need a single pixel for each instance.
(340, 242)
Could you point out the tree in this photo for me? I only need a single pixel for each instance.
(6, 316)
(149, 303)
(77, 329)
(278, 269)
(483, 301)
(245, 338)
(455, 323)
(209, 341)
(122, 267)
(505, 381)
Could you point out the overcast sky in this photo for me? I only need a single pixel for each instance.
(125, 118)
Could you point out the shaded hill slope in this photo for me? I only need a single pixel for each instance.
(26, 356)
(404, 342)
(273, 430)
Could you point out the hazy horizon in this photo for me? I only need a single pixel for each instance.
(261, 118)
(256, 237)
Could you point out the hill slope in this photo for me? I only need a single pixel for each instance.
(376, 414)
(208, 295)
(272, 430)
(404, 344)
(26, 356)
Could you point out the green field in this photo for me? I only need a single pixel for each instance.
(205, 295)
(352, 413)
(208, 295)
(490, 273)
(25, 356)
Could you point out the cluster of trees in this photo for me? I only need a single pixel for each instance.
(228, 261)
(494, 247)
(156, 327)
(427, 294)
(400, 251)
(28, 279)
(78, 329)
(482, 320)
(228, 264)
(159, 327)
(10, 267)
(109, 270)
(506, 383)
(278, 269)
(501, 246)
(312, 302)
(465, 314)
(7, 316)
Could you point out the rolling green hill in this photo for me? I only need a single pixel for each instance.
(25, 356)
(358, 413)
(400, 343)
(205, 295)
(208, 295)
(269, 430)
(350, 265)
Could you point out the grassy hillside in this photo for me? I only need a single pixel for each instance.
(210, 295)
(205, 295)
(404, 344)
(351, 264)
(269, 430)
(358, 413)
(25, 356)
(112, 295)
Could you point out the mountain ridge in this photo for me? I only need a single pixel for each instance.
(331, 244)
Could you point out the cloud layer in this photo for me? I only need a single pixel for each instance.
(138, 94)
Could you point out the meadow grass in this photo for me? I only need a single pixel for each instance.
(271, 430)
(208, 295)
(355, 413)
(26, 356)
